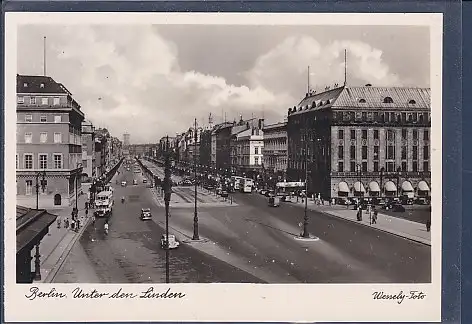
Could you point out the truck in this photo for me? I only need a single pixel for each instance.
(104, 204)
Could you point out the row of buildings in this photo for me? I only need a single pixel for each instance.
(57, 149)
(345, 141)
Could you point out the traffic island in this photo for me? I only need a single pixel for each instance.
(200, 240)
(311, 238)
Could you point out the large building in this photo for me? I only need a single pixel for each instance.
(220, 146)
(88, 151)
(126, 140)
(49, 130)
(362, 141)
(275, 149)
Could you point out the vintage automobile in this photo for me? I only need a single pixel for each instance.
(123, 183)
(146, 214)
(173, 243)
(394, 206)
(274, 201)
(144, 180)
(224, 193)
(135, 182)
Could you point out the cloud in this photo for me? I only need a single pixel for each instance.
(128, 78)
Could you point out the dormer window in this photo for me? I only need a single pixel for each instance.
(361, 100)
(41, 85)
(327, 102)
(25, 85)
(388, 100)
(412, 102)
(321, 103)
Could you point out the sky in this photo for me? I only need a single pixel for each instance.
(153, 80)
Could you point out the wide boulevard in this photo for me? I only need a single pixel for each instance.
(246, 241)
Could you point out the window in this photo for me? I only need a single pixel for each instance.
(415, 152)
(376, 116)
(403, 152)
(353, 152)
(376, 134)
(21, 100)
(415, 134)
(43, 137)
(403, 117)
(412, 102)
(425, 166)
(57, 161)
(353, 134)
(17, 161)
(426, 152)
(57, 119)
(44, 101)
(256, 160)
(390, 152)
(43, 161)
(390, 135)
(28, 138)
(364, 166)
(28, 118)
(376, 166)
(29, 187)
(57, 137)
(376, 152)
(340, 166)
(415, 166)
(404, 134)
(364, 134)
(28, 161)
(43, 119)
(340, 152)
(256, 150)
(32, 100)
(364, 152)
(426, 135)
(390, 166)
(388, 100)
(340, 134)
(56, 101)
(404, 166)
(364, 116)
(353, 166)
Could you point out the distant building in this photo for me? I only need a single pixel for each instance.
(220, 149)
(275, 149)
(88, 151)
(362, 141)
(126, 140)
(49, 131)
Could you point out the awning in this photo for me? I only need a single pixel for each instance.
(359, 187)
(390, 186)
(423, 186)
(407, 187)
(374, 186)
(343, 187)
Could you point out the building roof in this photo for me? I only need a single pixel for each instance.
(274, 126)
(31, 226)
(38, 84)
(221, 126)
(367, 97)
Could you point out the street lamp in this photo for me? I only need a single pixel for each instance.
(167, 195)
(359, 174)
(382, 170)
(43, 185)
(195, 217)
(305, 233)
(79, 165)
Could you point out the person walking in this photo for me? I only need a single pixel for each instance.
(374, 219)
(359, 213)
(428, 225)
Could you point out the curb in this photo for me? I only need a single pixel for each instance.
(52, 274)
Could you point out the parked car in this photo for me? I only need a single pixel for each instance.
(394, 206)
(224, 193)
(123, 183)
(263, 192)
(186, 183)
(269, 193)
(146, 214)
(173, 243)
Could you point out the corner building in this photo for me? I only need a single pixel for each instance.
(48, 130)
(362, 141)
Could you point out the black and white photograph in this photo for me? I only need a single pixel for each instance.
(232, 150)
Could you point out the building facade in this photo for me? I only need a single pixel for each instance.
(362, 141)
(246, 152)
(126, 140)
(205, 148)
(49, 131)
(88, 151)
(275, 149)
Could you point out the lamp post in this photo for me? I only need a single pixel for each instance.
(79, 165)
(43, 185)
(359, 174)
(195, 217)
(399, 169)
(167, 195)
(305, 233)
(382, 170)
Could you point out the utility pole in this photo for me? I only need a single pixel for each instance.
(196, 237)
(167, 194)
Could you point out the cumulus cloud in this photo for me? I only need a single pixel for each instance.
(128, 78)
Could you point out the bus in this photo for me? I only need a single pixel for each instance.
(246, 185)
(286, 189)
(235, 181)
(104, 204)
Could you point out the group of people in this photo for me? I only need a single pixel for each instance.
(373, 213)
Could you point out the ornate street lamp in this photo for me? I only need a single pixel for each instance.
(79, 166)
(305, 233)
(195, 217)
(167, 196)
(43, 185)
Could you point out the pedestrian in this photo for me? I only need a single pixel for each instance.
(374, 219)
(359, 214)
(86, 213)
(66, 223)
(428, 225)
(58, 222)
(78, 225)
(72, 225)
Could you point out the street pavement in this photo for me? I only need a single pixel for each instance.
(131, 252)
(248, 242)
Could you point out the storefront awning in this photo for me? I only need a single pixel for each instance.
(407, 187)
(359, 187)
(423, 186)
(374, 186)
(390, 186)
(343, 187)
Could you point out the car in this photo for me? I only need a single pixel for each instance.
(146, 214)
(219, 190)
(144, 180)
(394, 206)
(173, 243)
(186, 183)
(135, 182)
(224, 193)
(269, 193)
(123, 183)
(263, 192)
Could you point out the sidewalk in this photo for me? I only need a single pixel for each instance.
(393, 225)
(184, 200)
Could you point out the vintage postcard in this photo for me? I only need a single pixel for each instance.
(223, 167)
